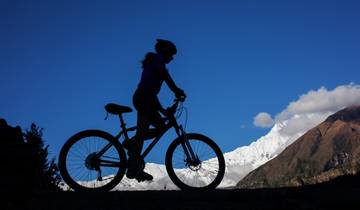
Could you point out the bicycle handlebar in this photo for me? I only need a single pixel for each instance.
(173, 107)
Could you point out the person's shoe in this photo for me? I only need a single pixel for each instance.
(132, 173)
(143, 176)
(139, 176)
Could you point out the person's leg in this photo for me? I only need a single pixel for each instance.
(143, 124)
(136, 169)
(147, 114)
(135, 145)
(157, 121)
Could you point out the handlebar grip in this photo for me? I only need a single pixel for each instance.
(180, 99)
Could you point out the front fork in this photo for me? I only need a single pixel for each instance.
(191, 157)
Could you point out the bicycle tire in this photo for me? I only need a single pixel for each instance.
(177, 175)
(84, 138)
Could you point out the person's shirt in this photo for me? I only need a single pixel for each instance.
(153, 75)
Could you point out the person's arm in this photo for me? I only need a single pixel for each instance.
(169, 81)
(171, 84)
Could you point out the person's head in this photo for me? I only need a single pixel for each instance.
(166, 48)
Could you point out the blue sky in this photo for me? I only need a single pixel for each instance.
(62, 61)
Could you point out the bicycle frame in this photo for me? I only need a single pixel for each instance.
(171, 123)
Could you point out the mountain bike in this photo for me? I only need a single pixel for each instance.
(94, 160)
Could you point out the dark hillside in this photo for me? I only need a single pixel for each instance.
(340, 193)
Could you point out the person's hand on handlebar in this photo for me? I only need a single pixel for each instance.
(180, 95)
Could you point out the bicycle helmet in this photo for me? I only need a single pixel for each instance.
(165, 46)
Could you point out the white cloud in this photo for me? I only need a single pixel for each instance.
(315, 106)
(263, 120)
(322, 101)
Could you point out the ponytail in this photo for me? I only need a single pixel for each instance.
(148, 57)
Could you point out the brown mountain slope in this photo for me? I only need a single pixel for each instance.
(327, 151)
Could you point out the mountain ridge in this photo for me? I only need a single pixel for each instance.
(326, 151)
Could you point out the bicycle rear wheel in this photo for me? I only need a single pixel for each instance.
(92, 160)
(205, 172)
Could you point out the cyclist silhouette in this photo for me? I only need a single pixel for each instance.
(147, 104)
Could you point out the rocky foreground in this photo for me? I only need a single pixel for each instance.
(341, 193)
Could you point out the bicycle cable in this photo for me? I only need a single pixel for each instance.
(179, 112)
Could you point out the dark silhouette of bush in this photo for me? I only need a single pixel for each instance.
(49, 175)
(25, 165)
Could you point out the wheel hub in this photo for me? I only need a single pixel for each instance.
(194, 165)
(92, 162)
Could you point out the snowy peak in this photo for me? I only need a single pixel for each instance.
(245, 159)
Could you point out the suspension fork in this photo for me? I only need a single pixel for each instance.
(189, 152)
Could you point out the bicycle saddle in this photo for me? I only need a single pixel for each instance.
(117, 109)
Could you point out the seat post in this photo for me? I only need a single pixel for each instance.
(123, 126)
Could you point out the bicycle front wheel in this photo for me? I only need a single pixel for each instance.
(204, 170)
(92, 160)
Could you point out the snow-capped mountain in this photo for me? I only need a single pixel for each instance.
(244, 159)
(239, 162)
(329, 150)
